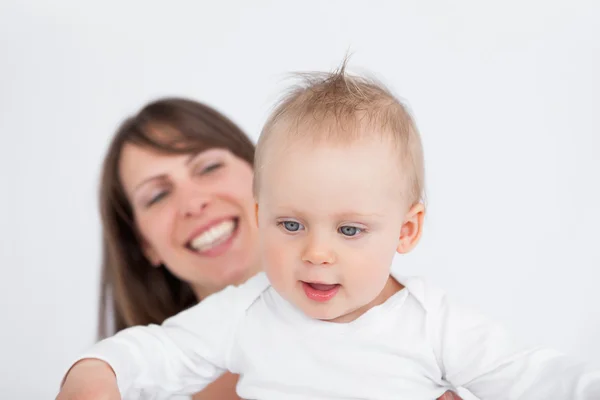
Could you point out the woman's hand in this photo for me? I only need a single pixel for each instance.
(450, 396)
(90, 379)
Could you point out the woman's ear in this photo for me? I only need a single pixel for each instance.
(411, 230)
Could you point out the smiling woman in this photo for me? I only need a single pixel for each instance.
(177, 216)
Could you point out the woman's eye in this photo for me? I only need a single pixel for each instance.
(350, 230)
(210, 168)
(292, 226)
(158, 197)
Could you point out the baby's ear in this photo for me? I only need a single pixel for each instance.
(411, 230)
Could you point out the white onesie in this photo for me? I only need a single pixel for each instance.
(416, 345)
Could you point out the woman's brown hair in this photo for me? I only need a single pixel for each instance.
(133, 292)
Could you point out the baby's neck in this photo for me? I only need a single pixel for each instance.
(392, 286)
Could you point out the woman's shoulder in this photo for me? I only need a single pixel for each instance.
(222, 310)
(257, 283)
(243, 295)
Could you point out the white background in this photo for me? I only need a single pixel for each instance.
(506, 95)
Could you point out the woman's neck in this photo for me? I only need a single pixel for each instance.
(203, 292)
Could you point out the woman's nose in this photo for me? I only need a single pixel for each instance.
(192, 204)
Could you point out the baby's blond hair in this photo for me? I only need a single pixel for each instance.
(341, 108)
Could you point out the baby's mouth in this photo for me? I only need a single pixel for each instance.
(323, 287)
(320, 292)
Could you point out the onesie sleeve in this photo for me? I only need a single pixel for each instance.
(184, 354)
(481, 355)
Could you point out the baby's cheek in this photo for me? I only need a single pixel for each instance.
(370, 278)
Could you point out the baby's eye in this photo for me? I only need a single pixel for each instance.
(292, 226)
(349, 230)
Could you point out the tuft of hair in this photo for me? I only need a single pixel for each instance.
(341, 108)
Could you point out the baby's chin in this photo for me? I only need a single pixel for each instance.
(324, 312)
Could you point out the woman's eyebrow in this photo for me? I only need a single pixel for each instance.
(189, 159)
(147, 180)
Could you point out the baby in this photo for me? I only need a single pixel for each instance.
(338, 188)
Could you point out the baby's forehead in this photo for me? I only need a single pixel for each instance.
(369, 146)
(327, 199)
(311, 170)
(306, 150)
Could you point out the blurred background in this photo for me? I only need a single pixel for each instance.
(506, 95)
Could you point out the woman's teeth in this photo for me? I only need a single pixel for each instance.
(214, 236)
